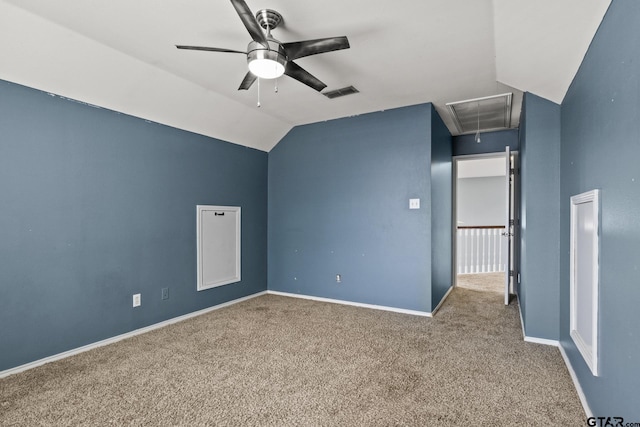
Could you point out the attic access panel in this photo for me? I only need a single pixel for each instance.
(492, 113)
(218, 240)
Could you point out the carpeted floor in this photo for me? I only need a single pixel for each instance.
(282, 361)
(489, 282)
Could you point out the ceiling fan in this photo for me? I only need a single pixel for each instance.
(269, 58)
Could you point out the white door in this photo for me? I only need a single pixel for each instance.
(508, 232)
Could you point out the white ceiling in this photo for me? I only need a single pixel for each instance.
(120, 54)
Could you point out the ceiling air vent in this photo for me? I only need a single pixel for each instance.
(492, 113)
(349, 90)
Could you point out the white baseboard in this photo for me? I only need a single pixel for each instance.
(355, 304)
(535, 340)
(544, 341)
(567, 362)
(572, 373)
(433, 312)
(117, 338)
(524, 334)
(576, 383)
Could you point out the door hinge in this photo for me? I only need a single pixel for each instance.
(511, 273)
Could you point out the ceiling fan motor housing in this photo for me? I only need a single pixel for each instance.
(268, 19)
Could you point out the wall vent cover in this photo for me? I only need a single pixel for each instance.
(349, 90)
(494, 113)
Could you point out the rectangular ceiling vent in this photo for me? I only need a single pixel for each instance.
(487, 114)
(349, 90)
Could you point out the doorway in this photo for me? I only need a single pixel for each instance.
(484, 226)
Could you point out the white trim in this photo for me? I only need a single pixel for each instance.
(454, 211)
(589, 351)
(576, 383)
(535, 340)
(435, 310)
(524, 334)
(544, 341)
(117, 338)
(355, 304)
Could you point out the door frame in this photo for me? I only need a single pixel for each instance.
(515, 246)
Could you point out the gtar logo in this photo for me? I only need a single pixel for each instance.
(605, 421)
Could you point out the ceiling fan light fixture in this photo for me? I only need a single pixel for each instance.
(265, 63)
(266, 68)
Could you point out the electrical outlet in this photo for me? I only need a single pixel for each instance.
(165, 293)
(136, 300)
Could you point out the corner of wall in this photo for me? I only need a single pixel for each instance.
(540, 217)
(339, 204)
(441, 209)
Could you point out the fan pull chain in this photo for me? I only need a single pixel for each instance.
(276, 88)
(258, 92)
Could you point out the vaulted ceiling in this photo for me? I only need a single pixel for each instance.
(121, 55)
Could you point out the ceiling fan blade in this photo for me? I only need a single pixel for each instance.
(295, 71)
(209, 49)
(297, 50)
(250, 22)
(247, 81)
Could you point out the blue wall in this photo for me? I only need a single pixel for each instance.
(97, 206)
(600, 149)
(339, 204)
(441, 209)
(539, 289)
(491, 142)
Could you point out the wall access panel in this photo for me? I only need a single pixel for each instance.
(218, 246)
(584, 275)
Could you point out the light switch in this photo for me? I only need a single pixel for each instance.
(414, 203)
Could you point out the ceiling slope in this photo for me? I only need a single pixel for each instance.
(540, 44)
(121, 55)
(51, 58)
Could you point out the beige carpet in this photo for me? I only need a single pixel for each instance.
(282, 361)
(489, 282)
